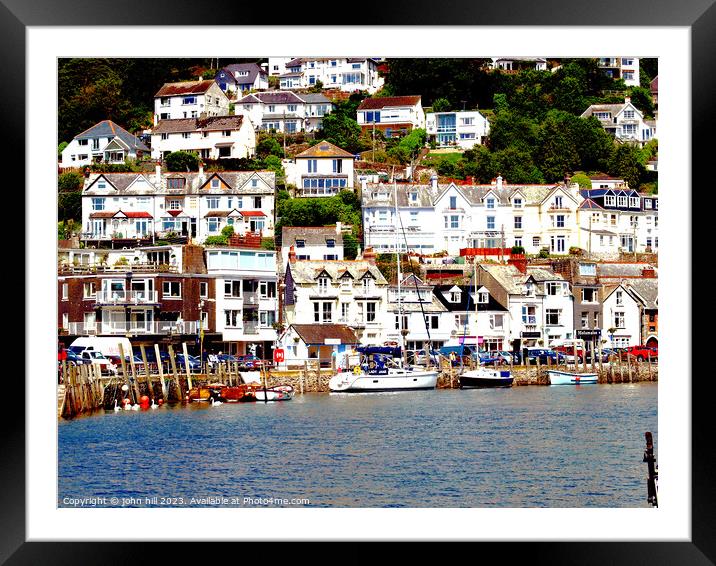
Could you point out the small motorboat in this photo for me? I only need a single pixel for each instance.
(570, 377)
(276, 393)
(199, 394)
(482, 377)
(243, 393)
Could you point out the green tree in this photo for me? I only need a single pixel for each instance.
(441, 105)
(61, 148)
(641, 98)
(69, 206)
(582, 180)
(343, 131)
(350, 246)
(69, 181)
(268, 145)
(557, 153)
(182, 161)
(625, 164)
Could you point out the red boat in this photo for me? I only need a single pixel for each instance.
(244, 393)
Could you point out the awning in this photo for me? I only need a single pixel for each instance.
(223, 144)
(252, 213)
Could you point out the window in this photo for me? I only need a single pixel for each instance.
(490, 203)
(212, 224)
(589, 295)
(536, 241)
(529, 315)
(65, 320)
(552, 317)
(171, 289)
(312, 165)
(232, 288)
(185, 135)
(323, 285)
(346, 283)
(322, 312)
(345, 311)
(483, 297)
(165, 136)
(496, 321)
(232, 318)
(453, 203)
(370, 311)
(257, 202)
(212, 202)
(490, 222)
(558, 220)
(610, 200)
(337, 166)
(98, 203)
(558, 202)
(175, 183)
(620, 298)
(300, 243)
(367, 285)
(89, 290)
(432, 321)
(398, 321)
(629, 114)
(555, 288)
(518, 223)
(203, 289)
(189, 100)
(619, 319)
(267, 289)
(585, 319)
(517, 203)
(65, 288)
(557, 244)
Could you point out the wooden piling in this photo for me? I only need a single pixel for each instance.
(160, 369)
(186, 365)
(176, 375)
(124, 367)
(147, 372)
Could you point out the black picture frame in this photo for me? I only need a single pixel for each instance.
(699, 15)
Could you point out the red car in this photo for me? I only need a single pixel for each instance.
(641, 353)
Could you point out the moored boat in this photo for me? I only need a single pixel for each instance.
(557, 377)
(380, 372)
(483, 377)
(276, 393)
(242, 393)
(199, 394)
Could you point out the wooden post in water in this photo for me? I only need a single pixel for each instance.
(146, 371)
(135, 378)
(124, 367)
(176, 375)
(305, 374)
(649, 362)
(160, 369)
(186, 364)
(96, 388)
(653, 474)
(629, 367)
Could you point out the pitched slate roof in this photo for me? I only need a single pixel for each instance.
(305, 271)
(540, 274)
(176, 125)
(314, 98)
(647, 289)
(312, 235)
(253, 69)
(274, 97)
(467, 299)
(589, 203)
(425, 194)
(388, 101)
(325, 149)
(186, 87)
(616, 270)
(508, 277)
(107, 128)
(318, 333)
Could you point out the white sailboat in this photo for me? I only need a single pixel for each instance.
(380, 371)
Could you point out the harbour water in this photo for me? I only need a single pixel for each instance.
(520, 447)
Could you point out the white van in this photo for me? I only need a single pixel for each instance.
(107, 345)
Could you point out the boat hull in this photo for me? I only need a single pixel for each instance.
(394, 381)
(569, 378)
(278, 393)
(483, 378)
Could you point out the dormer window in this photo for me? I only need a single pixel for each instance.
(413, 196)
(455, 296)
(330, 243)
(215, 183)
(588, 269)
(647, 203)
(620, 298)
(323, 284)
(490, 203)
(453, 203)
(558, 202)
(175, 183)
(609, 200)
(367, 285)
(300, 243)
(346, 283)
(622, 201)
(634, 202)
(102, 184)
(517, 203)
(482, 297)
(530, 288)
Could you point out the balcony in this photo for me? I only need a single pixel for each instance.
(251, 298)
(133, 328)
(382, 228)
(251, 327)
(89, 269)
(126, 297)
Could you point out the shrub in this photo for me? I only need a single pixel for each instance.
(268, 244)
(227, 231)
(544, 253)
(182, 161)
(517, 250)
(216, 240)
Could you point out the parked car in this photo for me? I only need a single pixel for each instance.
(568, 352)
(458, 354)
(542, 354)
(97, 358)
(117, 361)
(416, 357)
(489, 358)
(505, 357)
(70, 357)
(640, 353)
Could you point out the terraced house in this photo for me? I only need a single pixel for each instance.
(345, 73)
(284, 111)
(121, 208)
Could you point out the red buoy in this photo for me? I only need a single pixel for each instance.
(161, 402)
(125, 401)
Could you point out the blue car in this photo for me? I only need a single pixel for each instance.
(533, 354)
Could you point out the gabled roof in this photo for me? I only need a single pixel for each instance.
(388, 102)
(312, 235)
(212, 123)
(187, 87)
(314, 98)
(252, 68)
(324, 149)
(467, 299)
(304, 271)
(273, 97)
(107, 128)
(589, 203)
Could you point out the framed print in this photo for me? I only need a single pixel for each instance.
(55, 474)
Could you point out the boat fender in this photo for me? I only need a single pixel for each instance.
(356, 370)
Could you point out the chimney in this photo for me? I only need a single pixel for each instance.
(202, 178)
(369, 255)
(519, 261)
(648, 273)
(292, 255)
(627, 100)
(158, 174)
(499, 181)
(434, 182)
(338, 228)
(87, 172)
(364, 184)
(359, 255)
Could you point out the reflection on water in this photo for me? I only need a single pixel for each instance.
(520, 447)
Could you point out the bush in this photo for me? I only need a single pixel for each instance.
(182, 161)
(216, 241)
(268, 244)
(69, 181)
(227, 231)
(544, 253)
(517, 250)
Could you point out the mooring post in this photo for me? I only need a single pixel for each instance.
(176, 375)
(146, 371)
(160, 369)
(653, 473)
(186, 364)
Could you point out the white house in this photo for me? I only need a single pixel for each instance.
(623, 121)
(284, 111)
(190, 99)
(626, 68)
(211, 138)
(392, 115)
(246, 298)
(322, 170)
(621, 315)
(460, 129)
(105, 142)
(345, 73)
(121, 206)
(353, 293)
(277, 65)
(241, 77)
(515, 64)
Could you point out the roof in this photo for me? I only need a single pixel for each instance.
(589, 203)
(107, 128)
(618, 270)
(110, 214)
(540, 274)
(389, 101)
(253, 69)
(318, 333)
(654, 84)
(305, 271)
(273, 97)
(176, 125)
(188, 87)
(313, 235)
(467, 299)
(313, 98)
(508, 277)
(325, 149)
(647, 289)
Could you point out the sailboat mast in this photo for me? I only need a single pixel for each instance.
(477, 301)
(397, 259)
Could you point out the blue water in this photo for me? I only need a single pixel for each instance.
(531, 446)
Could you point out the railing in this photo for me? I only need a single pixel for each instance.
(251, 327)
(251, 298)
(65, 269)
(126, 297)
(117, 328)
(381, 228)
